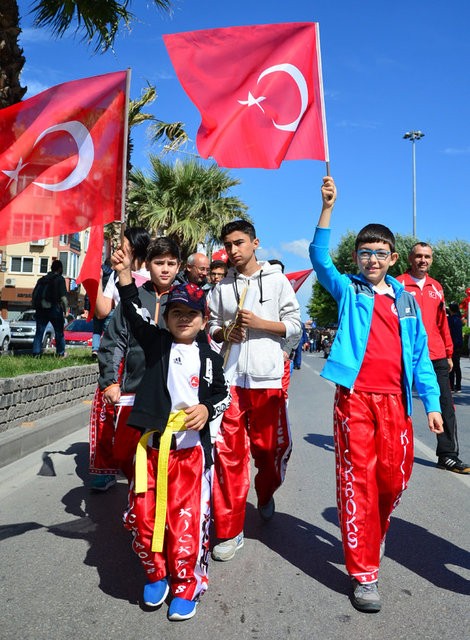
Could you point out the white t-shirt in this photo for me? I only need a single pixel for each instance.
(183, 375)
(110, 291)
(183, 385)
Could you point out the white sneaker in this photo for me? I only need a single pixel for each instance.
(228, 548)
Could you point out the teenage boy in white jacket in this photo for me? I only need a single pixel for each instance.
(256, 420)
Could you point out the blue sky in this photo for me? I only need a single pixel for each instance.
(387, 68)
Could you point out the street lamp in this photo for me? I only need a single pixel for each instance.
(413, 136)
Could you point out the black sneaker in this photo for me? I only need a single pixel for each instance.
(453, 464)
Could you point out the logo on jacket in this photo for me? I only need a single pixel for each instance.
(194, 382)
(178, 360)
(208, 374)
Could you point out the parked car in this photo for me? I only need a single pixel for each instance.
(78, 333)
(23, 330)
(5, 335)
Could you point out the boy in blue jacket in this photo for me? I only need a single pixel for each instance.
(379, 351)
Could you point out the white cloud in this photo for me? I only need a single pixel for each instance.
(35, 36)
(297, 247)
(34, 87)
(453, 151)
(268, 254)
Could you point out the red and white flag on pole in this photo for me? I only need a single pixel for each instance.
(297, 278)
(62, 159)
(259, 91)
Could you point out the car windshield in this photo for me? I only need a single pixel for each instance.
(28, 316)
(80, 325)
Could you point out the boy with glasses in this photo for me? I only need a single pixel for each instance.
(379, 351)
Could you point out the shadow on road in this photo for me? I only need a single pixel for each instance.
(99, 522)
(424, 553)
(321, 441)
(308, 547)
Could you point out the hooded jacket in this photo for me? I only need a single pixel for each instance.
(260, 363)
(355, 298)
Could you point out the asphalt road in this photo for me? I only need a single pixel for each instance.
(67, 570)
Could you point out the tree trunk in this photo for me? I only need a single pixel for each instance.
(11, 55)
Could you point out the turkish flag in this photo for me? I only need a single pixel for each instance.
(62, 159)
(220, 254)
(90, 273)
(297, 278)
(258, 89)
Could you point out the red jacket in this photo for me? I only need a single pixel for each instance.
(433, 309)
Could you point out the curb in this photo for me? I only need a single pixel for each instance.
(21, 441)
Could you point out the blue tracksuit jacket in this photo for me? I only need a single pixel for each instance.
(355, 298)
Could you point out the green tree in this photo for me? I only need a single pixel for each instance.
(96, 21)
(451, 266)
(188, 201)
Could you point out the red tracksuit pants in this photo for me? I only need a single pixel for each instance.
(256, 421)
(101, 436)
(112, 441)
(185, 552)
(374, 458)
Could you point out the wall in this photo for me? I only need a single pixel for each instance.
(30, 397)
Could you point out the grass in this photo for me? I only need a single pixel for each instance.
(13, 366)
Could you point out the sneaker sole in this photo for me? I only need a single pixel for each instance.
(175, 617)
(463, 472)
(219, 558)
(161, 601)
(367, 607)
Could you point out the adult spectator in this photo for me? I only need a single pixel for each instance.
(430, 297)
(217, 271)
(455, 326)
(197, 269)
(50, 302)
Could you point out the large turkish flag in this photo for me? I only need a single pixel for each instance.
(258, 89)
(61, 159)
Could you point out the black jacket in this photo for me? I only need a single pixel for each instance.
(152, 404)
(120, 357)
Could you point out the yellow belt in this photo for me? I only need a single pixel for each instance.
(176, 422)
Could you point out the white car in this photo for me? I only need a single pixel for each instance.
(5, 335)
(23, 331)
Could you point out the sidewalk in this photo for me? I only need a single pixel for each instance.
(21, 441)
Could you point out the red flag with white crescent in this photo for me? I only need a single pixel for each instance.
(297, 278)
(62, 158)
(90, 273)
(259, 90)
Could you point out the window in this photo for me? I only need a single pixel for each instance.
(43, 265)
(21, 264)
(70, 263)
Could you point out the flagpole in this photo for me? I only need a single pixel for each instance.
(125, 154)
(322, 98)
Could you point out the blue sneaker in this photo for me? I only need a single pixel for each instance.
(102, 482)
(181, 609)
(156, 592)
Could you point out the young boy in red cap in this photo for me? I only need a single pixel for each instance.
(182, 389)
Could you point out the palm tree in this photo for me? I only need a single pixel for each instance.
(98, 22)
(188, 201)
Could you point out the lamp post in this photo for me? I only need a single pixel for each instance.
(413, 136)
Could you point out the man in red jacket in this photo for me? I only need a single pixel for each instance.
(430, 296)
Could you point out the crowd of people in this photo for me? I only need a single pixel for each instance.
(194, 368)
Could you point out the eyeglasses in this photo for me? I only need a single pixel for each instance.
(366, 254)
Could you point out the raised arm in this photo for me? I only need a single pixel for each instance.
(328, 194)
